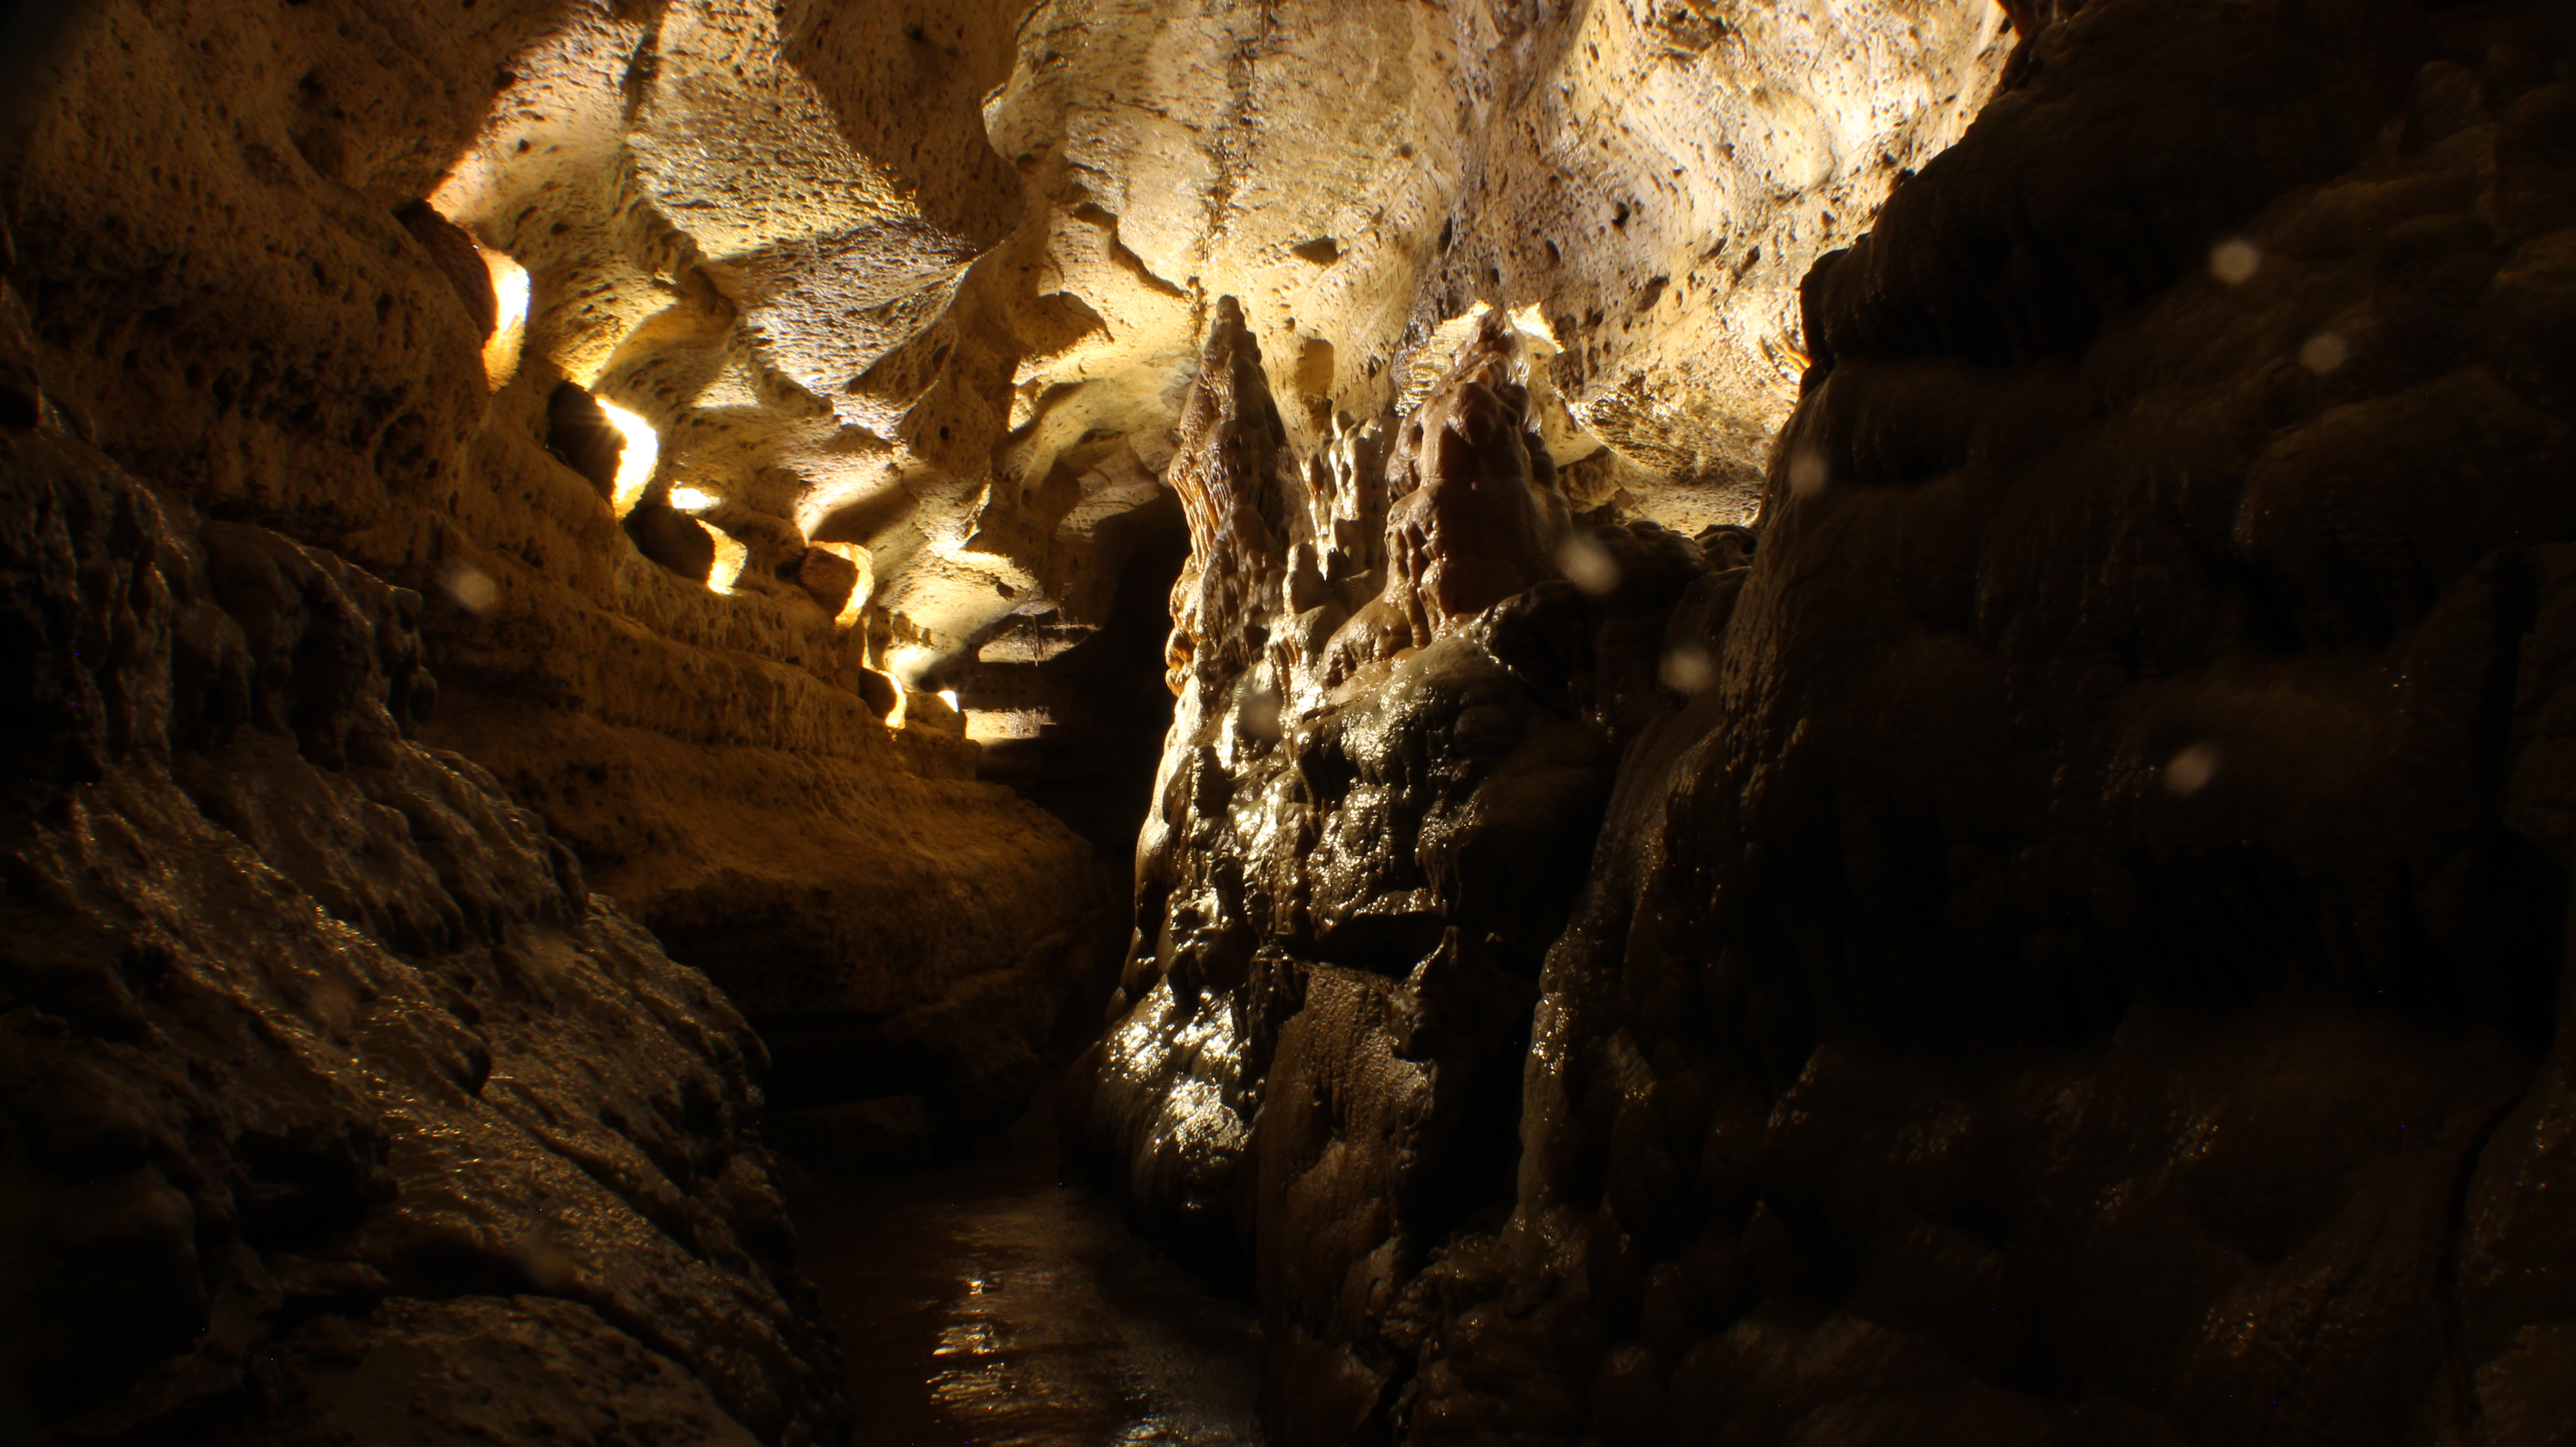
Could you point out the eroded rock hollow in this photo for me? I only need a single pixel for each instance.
(1834, 723)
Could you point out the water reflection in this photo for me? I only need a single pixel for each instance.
(982, 1304)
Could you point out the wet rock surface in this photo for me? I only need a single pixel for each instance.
(333, 1105)
(986, 1303)
(1365, 839)
(2064, 941)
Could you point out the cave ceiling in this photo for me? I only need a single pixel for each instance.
(930, 280)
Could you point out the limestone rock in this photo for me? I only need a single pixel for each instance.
(336, 1104)
(249, 268)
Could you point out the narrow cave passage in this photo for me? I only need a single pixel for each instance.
(1330, 723)
(990, 1300)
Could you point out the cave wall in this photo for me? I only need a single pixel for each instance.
(2054, 932)
(333, 1105)
(234, 286)
(2058, 934)
(906, 297)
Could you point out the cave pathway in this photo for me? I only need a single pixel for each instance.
(984, 1304)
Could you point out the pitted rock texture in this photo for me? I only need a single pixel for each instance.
(932, 280)
(333, 1106)
(2074, 945)
(233, 284)
(899, 304)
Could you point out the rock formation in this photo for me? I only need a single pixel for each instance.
(234, 283)
(1832, 775)
(2065, 943)
(333, 1105)
(888, 311)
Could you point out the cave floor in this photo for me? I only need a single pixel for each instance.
(982, 1303)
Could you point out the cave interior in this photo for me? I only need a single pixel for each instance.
(1569, 723)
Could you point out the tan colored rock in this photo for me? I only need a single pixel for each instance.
(799, 256)
(233, 284)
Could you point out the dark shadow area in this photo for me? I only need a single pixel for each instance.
(1093, 765)
(30, 30)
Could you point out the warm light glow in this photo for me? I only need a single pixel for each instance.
(510, 328)
(948, 696)
(992, 725)
(634, 465)
(859, 558)
(2235, 260)
(730, 556)
(693, 499)
(1527, 322)
(905, 662)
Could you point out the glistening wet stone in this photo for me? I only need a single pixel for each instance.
(985, 1304)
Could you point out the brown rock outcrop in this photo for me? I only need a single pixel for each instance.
(332, 1105)
(1473, 514)
(2075, 946)
(1363, 841)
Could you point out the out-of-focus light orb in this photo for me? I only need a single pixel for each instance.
(473, 589)
(2235, 260)
(1588, 565)
(1687, 668)
(634, 465)
(1806, 472)
(948, 696)
(2190, 771)
(2324, 352)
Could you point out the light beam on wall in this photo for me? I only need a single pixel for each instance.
(634, 465)
(510, 288)
(906, 662)
(730, 556)
(861, 590)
